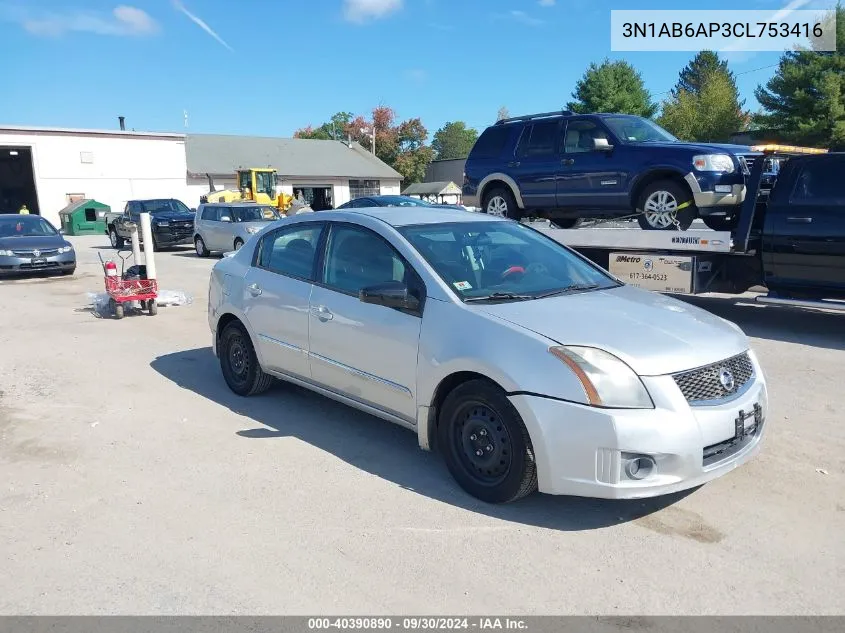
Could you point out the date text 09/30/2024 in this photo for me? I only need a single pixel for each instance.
(417, 623)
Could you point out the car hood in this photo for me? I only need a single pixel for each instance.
(707, 148)
(654, 334)
(42, 242)
(173, 216)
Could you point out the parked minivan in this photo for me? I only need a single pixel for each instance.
(227, 226)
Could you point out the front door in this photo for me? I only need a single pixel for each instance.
(591, 179)
(809, 243)
(277, 291)
(211, 227)
(363, 351)
(536, 165)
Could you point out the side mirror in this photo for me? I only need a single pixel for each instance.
(193, 209)
(601, 145)
(61, 231)
(392, 294)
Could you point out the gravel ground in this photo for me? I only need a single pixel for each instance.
(134, 482)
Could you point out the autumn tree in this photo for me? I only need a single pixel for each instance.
(453, 140)
(612, 87)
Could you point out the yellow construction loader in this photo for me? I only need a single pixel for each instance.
(256, 184)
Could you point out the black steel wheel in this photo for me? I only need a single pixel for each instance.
(485, 443)
(239, 363)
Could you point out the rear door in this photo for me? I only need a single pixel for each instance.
(807, 235)
(591, 179)
(277, 292)
(536, 165)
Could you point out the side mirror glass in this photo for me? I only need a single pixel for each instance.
(392, 294)
(602, 145)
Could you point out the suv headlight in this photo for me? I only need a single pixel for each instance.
(714, 162)
(607, 381)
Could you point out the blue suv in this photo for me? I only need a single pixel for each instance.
(564, 166)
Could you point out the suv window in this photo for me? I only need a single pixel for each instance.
(539, 139)
(820, 182)
(491, 142)
(291, 250)
(580, 135)
(209, 213)
(357, 258)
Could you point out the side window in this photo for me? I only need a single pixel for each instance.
(542, 139)
(820, 182)
(224, 214)
(580, 135)
(209, 213)
(357, 258)
(290, 251)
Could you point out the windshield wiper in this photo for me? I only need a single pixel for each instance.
(572, 288)
(497, 296)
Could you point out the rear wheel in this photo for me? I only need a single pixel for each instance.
(501, 203)
(239, 363)
(199, 245)
(666, 206)
(152, 306)
(486, 445)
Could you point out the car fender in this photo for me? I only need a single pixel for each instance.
(510, 182)
(654, 172)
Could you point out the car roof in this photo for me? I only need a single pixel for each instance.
(406, 216)
(238, 203)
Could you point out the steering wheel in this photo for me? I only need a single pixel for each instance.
(513, 270)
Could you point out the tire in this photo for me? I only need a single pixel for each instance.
(199, 246)
(236, 347)
(500, 202)
(238, 243)
(472, 412)
(119, 311)
(152, 307)
(719, 222)
(568, 223)
(68, 273)
(667, 195)
(117, 242)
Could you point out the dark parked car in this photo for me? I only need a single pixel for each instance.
(29, 243)
(172, 222)
(562, 166)
(393, 201)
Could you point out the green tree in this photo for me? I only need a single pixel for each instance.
(336, 129)
(691, 78)
(453, 140)
(612, 87)
(709, 114)
(805, 99)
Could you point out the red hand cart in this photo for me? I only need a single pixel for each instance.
(125, 288)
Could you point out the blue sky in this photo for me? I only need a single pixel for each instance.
(268, 67)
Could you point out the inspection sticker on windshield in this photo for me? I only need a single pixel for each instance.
(462, 285)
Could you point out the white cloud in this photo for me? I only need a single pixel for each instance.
(547, 3)
(360, 11)
(200, 23)
(122, 21)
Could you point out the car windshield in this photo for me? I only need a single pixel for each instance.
(402, 201)
(155, 207)
(255, 214)
(633, 129)
(25, 226)
(502, 261)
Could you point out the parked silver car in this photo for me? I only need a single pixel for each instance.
(227, 226)
(525, 364)
(30, 244)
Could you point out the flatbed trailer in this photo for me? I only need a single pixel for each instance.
(694, 261)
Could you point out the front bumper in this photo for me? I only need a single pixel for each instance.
(20, 265)
(705, 196)
(581, 450)
(173, 237)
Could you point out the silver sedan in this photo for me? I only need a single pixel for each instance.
(524, 364)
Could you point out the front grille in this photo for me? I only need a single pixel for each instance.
(31, 253)
(705, 384)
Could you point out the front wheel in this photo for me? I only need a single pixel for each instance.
(152, 307)
(485, 443)
(666, 206)
(117, 242)
(239, 362)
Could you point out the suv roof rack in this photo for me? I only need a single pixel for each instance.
(540, 115)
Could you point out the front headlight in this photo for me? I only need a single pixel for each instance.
(66, 249)
(714, 162)
(252, 230)
(607, 381)
(6, 253)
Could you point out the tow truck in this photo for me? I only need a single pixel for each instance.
(790, 239)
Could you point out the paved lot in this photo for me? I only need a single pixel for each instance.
(134, 482)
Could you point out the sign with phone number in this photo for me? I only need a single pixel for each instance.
(654, 272)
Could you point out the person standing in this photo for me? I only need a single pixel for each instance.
(23, 210)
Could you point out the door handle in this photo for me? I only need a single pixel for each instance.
(568, 161)
(322, 313)
(513, 163)
(793, 220)
(254, 289)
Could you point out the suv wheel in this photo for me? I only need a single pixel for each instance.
(202, 251)
(116, 241)
(666, 206)
(500, 202)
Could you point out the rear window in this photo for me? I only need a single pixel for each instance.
(491, 143)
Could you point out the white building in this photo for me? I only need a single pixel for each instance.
(46, 168)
